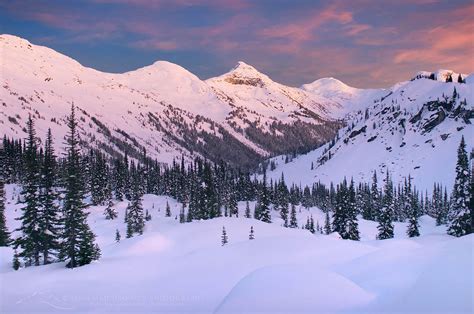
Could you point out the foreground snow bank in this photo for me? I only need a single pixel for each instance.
(176, 267)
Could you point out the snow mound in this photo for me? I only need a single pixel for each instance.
(293, 288)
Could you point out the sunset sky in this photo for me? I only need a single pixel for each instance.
(363, 43)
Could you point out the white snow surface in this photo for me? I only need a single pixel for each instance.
(182, 268)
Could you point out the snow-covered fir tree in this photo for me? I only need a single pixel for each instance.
(264, 202)
(282, 200)
(232, 204)
(327, 224)
(99, 185)
(352, 225)
(135, 216)
(247, 210)
(252, 234)
(4, 234)
(311, 226)
(372, 209)
(110, 213)
(117, 236)
(50, 220)
(340, 217)
(119, 173)
(385, 215)
(148, 216)
(293, 220)
(30, 240)
(411, 210)
(182, 215)
(16, 264)
(167, 210)
(78, 246)
(460, 214)
(224, 238)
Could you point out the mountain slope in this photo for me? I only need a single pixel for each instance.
(414, 129)
(162, 109)
(349, 99)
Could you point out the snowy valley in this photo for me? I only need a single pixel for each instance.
(184, 268)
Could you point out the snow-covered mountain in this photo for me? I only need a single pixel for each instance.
(164, 109)
(413, 129)
(349, 99)
(242, 116)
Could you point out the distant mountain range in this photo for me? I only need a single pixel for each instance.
(241, 117)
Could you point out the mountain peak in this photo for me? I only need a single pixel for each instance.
(327, 83)
(243, 74)
(13, 39)
(244, 67)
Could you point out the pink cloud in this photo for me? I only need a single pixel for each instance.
(154, 4)
(447, 45)
(166, 45)
(303, 30)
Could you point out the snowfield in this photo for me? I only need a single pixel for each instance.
(183, 268)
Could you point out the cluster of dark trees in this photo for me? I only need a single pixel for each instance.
(52, 227)
(54, 221)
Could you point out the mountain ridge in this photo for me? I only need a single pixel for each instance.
(163, 108)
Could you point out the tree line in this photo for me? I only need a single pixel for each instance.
(54, 189)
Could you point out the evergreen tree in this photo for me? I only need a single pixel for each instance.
(210, 203)
(327, 224)
(119, 173)
(264, 202)
(293, 220)
(224, 238)
(341, 211)
(182, 216)
(284, 214)
(411, 211)
(168, 210)
(372, 210)
(247, 210)
(110, 212)
(99, 185)
(4, 234)
(117, 236)
(282, 200)
(385, 216)
(148, 216)
(50, 222)
(16, 261)
(78, 246)
(30, 240)
(460, 213)
(135, 219)
(311, 225)
(232, 206)
(352, 225)
(251, 235)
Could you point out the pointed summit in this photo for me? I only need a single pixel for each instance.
(243, 74)
(244, 68)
